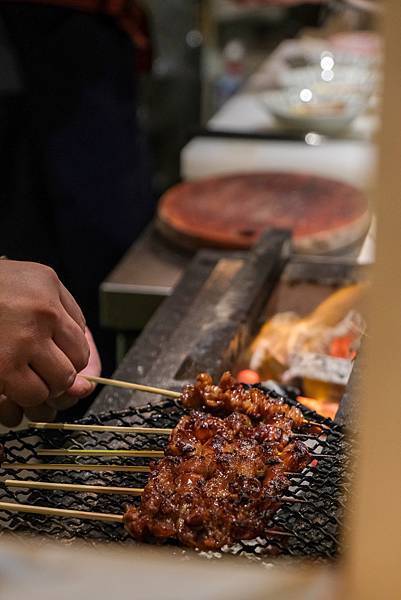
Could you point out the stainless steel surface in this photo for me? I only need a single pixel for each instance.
(141, 280)
(148, 274)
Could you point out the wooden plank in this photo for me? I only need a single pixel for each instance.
(373, 569)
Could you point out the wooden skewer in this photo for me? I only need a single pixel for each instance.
(132, 386)
(61, 512)
(73, 467)
(162, 392)
(292, 500)
(72, 487)
(315, 424)
(275, 532)
(99, 452)
(307, 436)
(315, 455)
(100, 428)
(325, 428)
(100, 489)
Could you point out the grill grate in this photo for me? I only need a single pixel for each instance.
(315, 526)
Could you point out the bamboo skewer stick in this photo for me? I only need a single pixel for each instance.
(133, 386)
(316, 455)
(73, 487)
(162, 392)
(99, 452)
(61, 512)
(276, 532)
(306, 436)
(100, 428)
(74, 467)
(317, 424)
(83, 514)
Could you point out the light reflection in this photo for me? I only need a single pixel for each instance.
(305, 95)
(194, 38)
(327, 63)
(313, 139)
(327, 75)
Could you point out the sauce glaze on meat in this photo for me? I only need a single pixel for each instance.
(220, 481)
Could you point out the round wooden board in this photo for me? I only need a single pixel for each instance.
(233, 211)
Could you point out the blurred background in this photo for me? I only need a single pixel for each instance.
(104, 110)
(207, 51)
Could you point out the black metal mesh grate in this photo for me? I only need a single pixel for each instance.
(315, 525)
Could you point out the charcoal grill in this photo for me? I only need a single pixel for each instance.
(216, 309)
(204, 325)
(312, 528)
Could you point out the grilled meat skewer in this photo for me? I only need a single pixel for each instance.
(230, 396)
(220, 481)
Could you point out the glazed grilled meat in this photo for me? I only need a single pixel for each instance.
(195, 429)
(231, 396)
(220, 481)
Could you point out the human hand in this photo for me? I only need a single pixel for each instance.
(11, 414)
(81, 387)
(42, 340)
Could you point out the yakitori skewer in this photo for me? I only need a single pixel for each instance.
(99, 489)
(142, 453)
(121, 429)
(164, 392)
(99, 452)
(83, 514)
(101, 428)
(74, 467)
